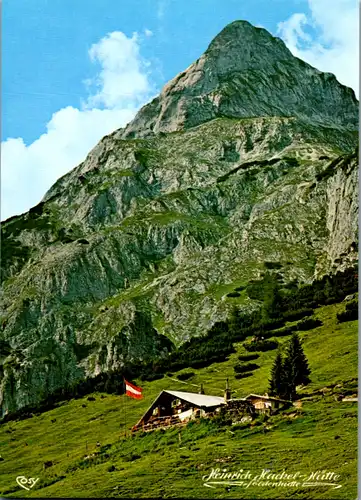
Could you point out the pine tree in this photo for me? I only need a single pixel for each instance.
(277, 380)
(296, 369)
(236, 323)
(272, 299)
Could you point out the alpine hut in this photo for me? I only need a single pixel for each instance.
(176, 408)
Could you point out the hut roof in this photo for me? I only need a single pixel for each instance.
(201, 400)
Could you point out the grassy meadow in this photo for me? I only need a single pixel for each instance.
(320, 435)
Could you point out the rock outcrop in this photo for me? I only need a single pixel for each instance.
(247, 157)
(246, 72)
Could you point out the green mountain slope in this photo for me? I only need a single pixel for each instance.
(322, 435)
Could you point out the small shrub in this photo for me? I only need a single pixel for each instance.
(296, 315)
(348, 315)
(261, 346)
(273, 265)
(132, 457)
(352, 306)
(284, 332)
(334, 299)
(245, 368)
(308, 324)
(151, 376)
(243, 375)
(185, 376)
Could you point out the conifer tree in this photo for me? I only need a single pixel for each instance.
(272, 299)
(236, 323)
(296, 369)
(277, 380)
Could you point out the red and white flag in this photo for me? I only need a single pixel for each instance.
(132, 390)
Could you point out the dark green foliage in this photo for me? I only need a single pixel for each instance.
(13, 253)
(259, 290)
(277, 380)
(308, 324)
(233, 294)
(243, 375)
(273, 265)
(272, 302)
(296, 315)
(330, 170)
(142, 156)
(5, 348)
(65, 235)
(185, 376)
(288, 373)
(296, 369)
(283, 332)
(350, 314)
(293, 162)
(248, 357)
(245, 166)
(334, 287)
(149, 377)
(83, 350)
(245, 368)
(261, 346)
(340, 162)
(230, 153)
(236, 324)
(268, 291)
(267, 325)
(352, 306)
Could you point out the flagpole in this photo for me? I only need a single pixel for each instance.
(134, 392)
(125, 409)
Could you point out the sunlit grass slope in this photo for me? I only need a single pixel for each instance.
(322, 435)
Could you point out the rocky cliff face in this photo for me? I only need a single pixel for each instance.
(245, 158)
(246, 72)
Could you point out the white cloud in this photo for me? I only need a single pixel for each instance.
(334, 47)
(121, 86)
(148, 32)
(123, 80)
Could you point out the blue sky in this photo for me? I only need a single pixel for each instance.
(73, 70)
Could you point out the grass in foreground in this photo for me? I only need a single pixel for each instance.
(322, 435)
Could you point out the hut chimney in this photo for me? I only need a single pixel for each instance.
(201, 390)
(227, 392)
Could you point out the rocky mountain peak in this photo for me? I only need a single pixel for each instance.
(240, 38)
(246, 72)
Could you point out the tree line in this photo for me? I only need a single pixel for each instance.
(280, 303)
